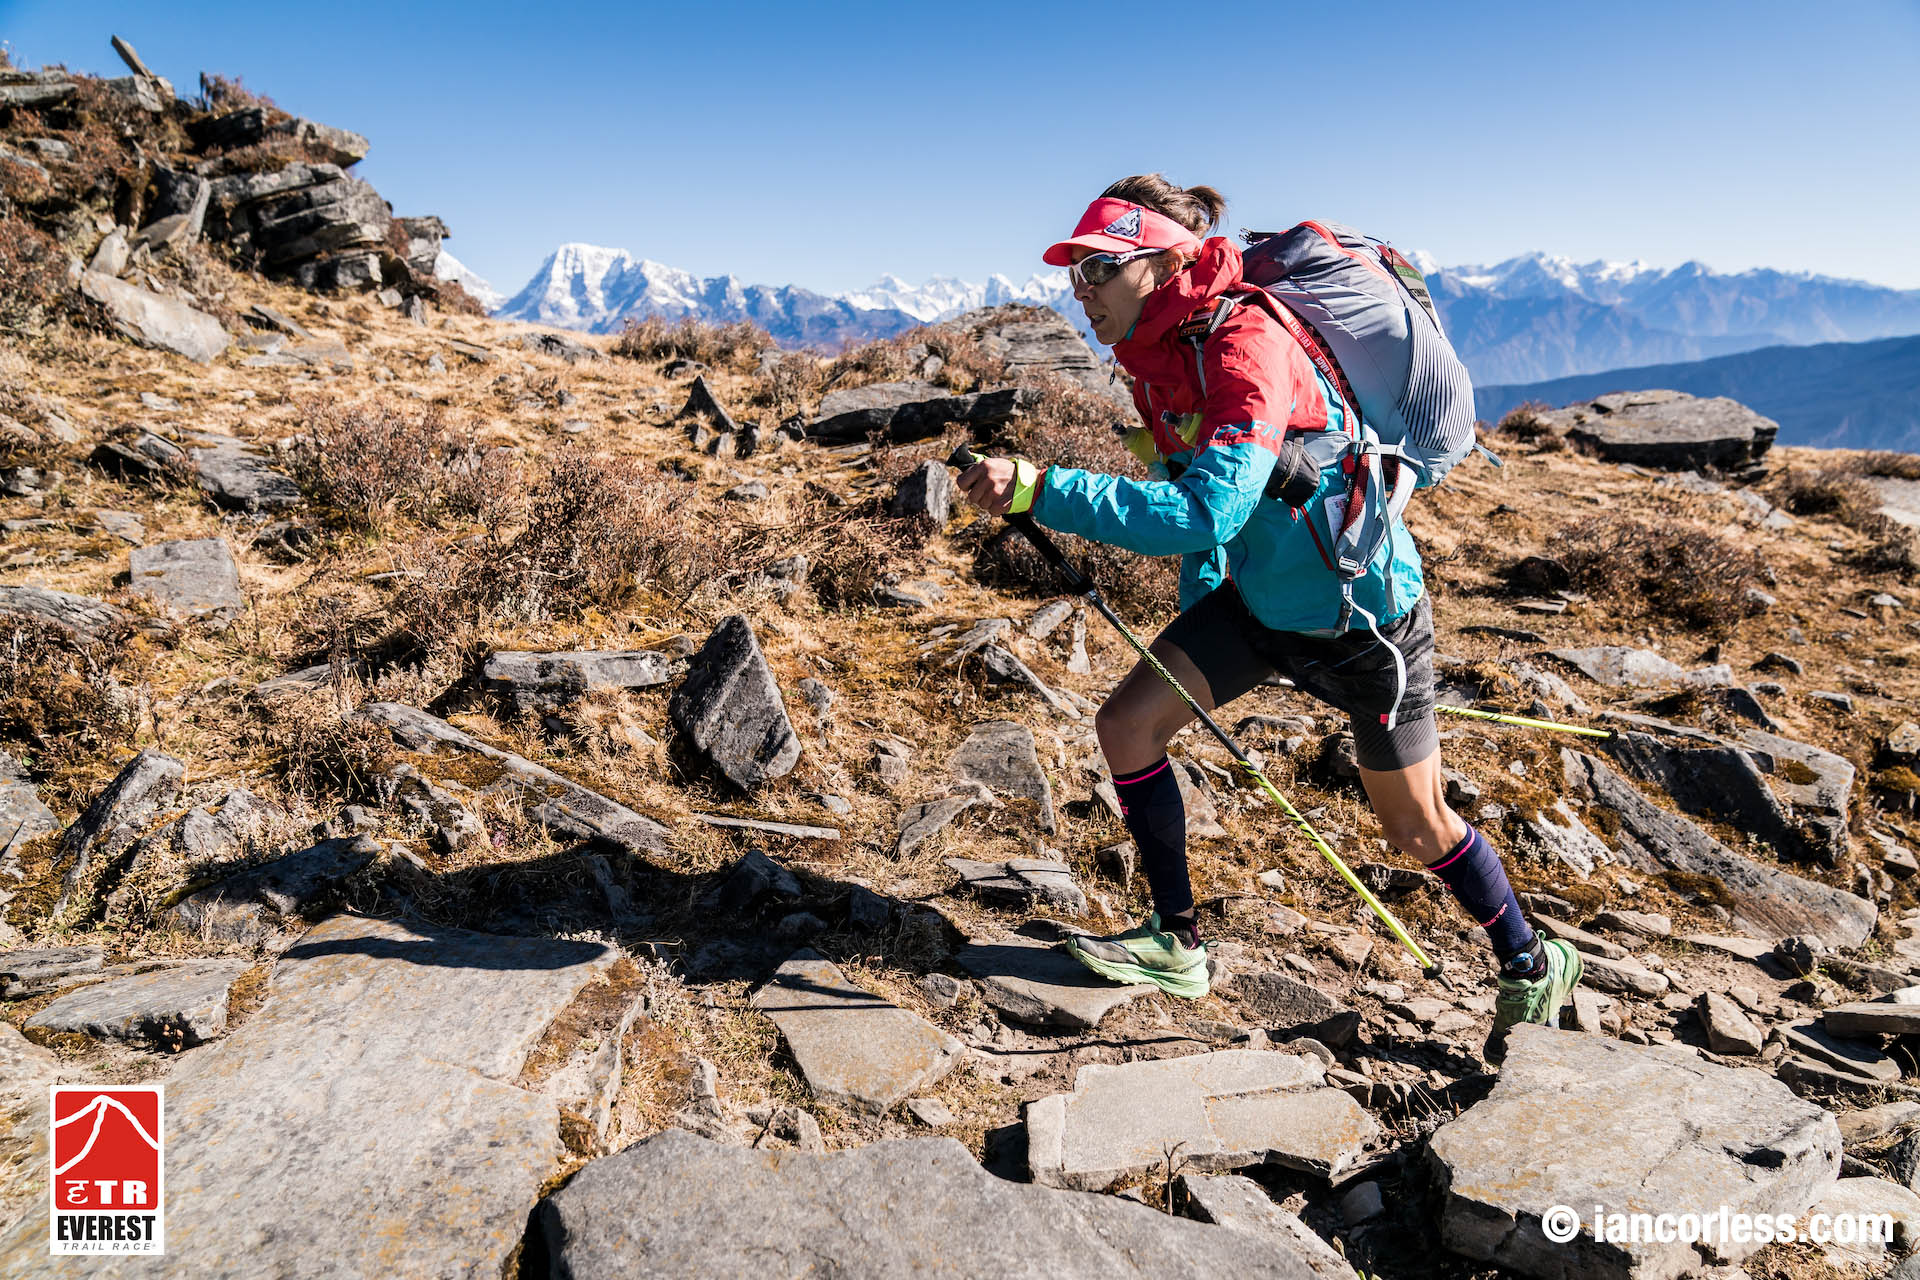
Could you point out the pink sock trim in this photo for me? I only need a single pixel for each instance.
(1463, 846)
(1142, 777)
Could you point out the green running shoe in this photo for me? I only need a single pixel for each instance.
(1146, 953)
(1534, 999)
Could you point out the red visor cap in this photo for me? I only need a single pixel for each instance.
(1115, 226)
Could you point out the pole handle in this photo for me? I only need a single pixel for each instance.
(1077, 582)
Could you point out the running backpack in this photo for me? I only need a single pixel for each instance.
(1366, 310)
(1362, 313)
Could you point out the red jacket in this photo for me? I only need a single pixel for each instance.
(1255, 371)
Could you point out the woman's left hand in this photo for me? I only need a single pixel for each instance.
(989, 485)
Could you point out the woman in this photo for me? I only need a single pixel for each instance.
(1223, 401)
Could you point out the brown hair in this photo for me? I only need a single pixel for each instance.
(1198, 209)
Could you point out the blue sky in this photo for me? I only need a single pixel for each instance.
(822, 145)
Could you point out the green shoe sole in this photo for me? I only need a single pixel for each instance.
(1189, 984)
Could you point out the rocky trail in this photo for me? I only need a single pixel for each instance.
(561, 806)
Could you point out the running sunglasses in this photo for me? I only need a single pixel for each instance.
(1097, 268)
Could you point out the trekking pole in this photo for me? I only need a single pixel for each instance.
(1081, 585)
(1525, 722)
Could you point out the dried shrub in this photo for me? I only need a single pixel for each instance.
(791, 384)
(59, 691)
(1829, 491)
(1670, 571)
(964, 365)
(852, 555)
(319, 750)
(34, 295)
(598, 531)
(1524, 423)
(722, 345)
(1886, 462)
(371, 460)
(220, 94)
(1891, 547)
(451, 296)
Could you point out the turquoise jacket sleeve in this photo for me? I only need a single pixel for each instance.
(1201, 510)
(1200, 572)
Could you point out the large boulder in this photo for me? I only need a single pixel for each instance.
(904, 422)
(235, 475)
(310, 221)
(1766, 901)
(151, 320)
(548, 681)
(372, 1119)
(146, 787)
(1675, 432)
(1578, 1120)
(1039, 344)
(1220, 1111)
(854, 1048)
(196, 578)
(254, 126)
(730, 709)
(914, 1206)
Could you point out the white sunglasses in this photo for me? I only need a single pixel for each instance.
(1097, 268)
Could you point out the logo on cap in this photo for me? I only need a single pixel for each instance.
(1126, 226)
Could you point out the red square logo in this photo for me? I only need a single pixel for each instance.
(107, 1183)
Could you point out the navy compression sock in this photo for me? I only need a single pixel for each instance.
(1157, 821)
(1473, 871)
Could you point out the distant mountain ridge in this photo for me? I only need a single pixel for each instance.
(1832, 395)
(1537, 316)
(1528, 319)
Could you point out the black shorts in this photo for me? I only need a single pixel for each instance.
(1354, 672)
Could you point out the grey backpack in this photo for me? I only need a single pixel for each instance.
(1369, 309)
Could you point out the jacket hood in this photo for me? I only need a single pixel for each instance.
(1215, 271)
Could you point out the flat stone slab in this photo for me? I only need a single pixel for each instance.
(903, 1207)
(921, 822)
(798, 831)
(243, 905)
(548, 681)
(235, 474)
(1619, 667)
(1676, 432)
(1861, 1018)
(1766, 902)
(368, 1120)
(1636, 1130)
(1022, 882)
(198, 578)
(1039, 984)
(853, 1047)
(86, 617)
(1823, 1045)
(1284, 1004)
(155, 321)
(1221, 1110)
(31, 971)
(557, 803)
(174, 1008)
(1000, 756)
(1233, 1200)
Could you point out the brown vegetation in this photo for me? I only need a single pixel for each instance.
(1670, 571)
(729, 346)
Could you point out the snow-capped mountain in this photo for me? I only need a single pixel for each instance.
(1537, 316)
(584, 286)
(1527, 319)
(448, 267)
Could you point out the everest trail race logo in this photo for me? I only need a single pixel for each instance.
(1126, 226)
(105, 1192)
